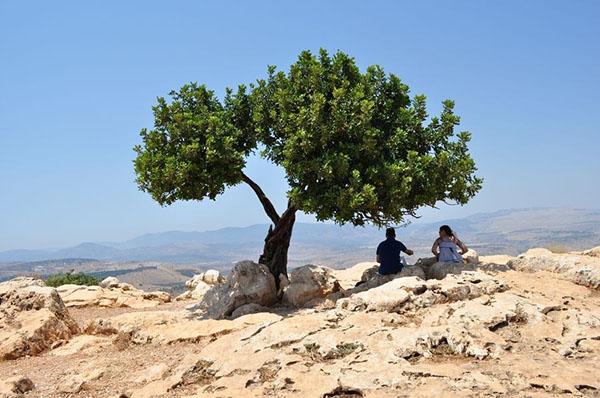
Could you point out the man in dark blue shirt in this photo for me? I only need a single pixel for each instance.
(388, 253)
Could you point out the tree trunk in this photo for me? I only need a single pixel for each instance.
(277, 242)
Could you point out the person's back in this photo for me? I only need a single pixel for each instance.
(388, 254)
(449, 252)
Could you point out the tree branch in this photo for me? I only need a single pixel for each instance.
(267, 205)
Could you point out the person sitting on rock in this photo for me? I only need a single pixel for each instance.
(388, 253)
(448, 248)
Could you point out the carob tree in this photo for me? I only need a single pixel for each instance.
(355, 147)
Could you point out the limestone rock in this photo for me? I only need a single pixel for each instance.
(152, 373)
(210, 277)
(199, 290)
(310, 282)
(167, 327)
(15, 386)
(373, 278)
(476, 333)
(118, 295)
(594, 252)
(74, 383)
(582, 269)
(349, 277)
(32, 318)
(247, 282)
(109, 282)
(405, 293)
(250, 308)
(471, 257)
(200, 284)
(82, 343)
(426, 262)
(440, 270)
(190, 367)
(499, 259)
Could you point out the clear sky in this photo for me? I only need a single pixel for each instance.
(78, 79)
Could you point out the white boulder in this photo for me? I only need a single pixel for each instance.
(32, 318)
(471, 257)
(212, 277)
(199, 290)
(248, 282)
(109, 282)
(310, 282)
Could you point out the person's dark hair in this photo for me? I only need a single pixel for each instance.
(447, 230)
(390, 233)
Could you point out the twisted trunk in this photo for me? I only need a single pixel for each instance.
(277, 242)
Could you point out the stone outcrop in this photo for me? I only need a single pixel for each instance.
(247, 309)
(494, 331)
(168, 327)
(372, 278)
(581, 268)
(348, 277)
(194, 292)
(32, 318)
(109, 282)
(310, 282)
(248, 282)
(405, 293)
(440, 270)
(200, 284)
(471, 257)
(114, 294)
(15, 387)
(210, 277)
(594, 252)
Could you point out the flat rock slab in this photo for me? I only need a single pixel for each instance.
(119, 295)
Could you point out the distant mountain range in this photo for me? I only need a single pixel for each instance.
(505, 231)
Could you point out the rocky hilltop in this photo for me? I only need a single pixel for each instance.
(494, 326)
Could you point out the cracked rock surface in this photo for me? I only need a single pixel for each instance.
(525, 326)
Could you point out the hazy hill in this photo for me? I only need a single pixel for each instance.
(505, 231)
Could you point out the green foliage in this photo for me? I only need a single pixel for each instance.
(71, 279)
(355, 146)
(198, 146)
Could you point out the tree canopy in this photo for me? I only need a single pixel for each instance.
(355, 146)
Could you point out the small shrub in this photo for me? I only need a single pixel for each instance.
(520, 315)
(342, 350)
(71, 279)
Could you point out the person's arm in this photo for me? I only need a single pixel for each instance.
(462, 246)
(435, 248)
(406, 250)
(378, 259)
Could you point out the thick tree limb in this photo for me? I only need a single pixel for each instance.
(286, 221)
(267, 205)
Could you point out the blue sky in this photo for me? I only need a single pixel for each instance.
(78, 79)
